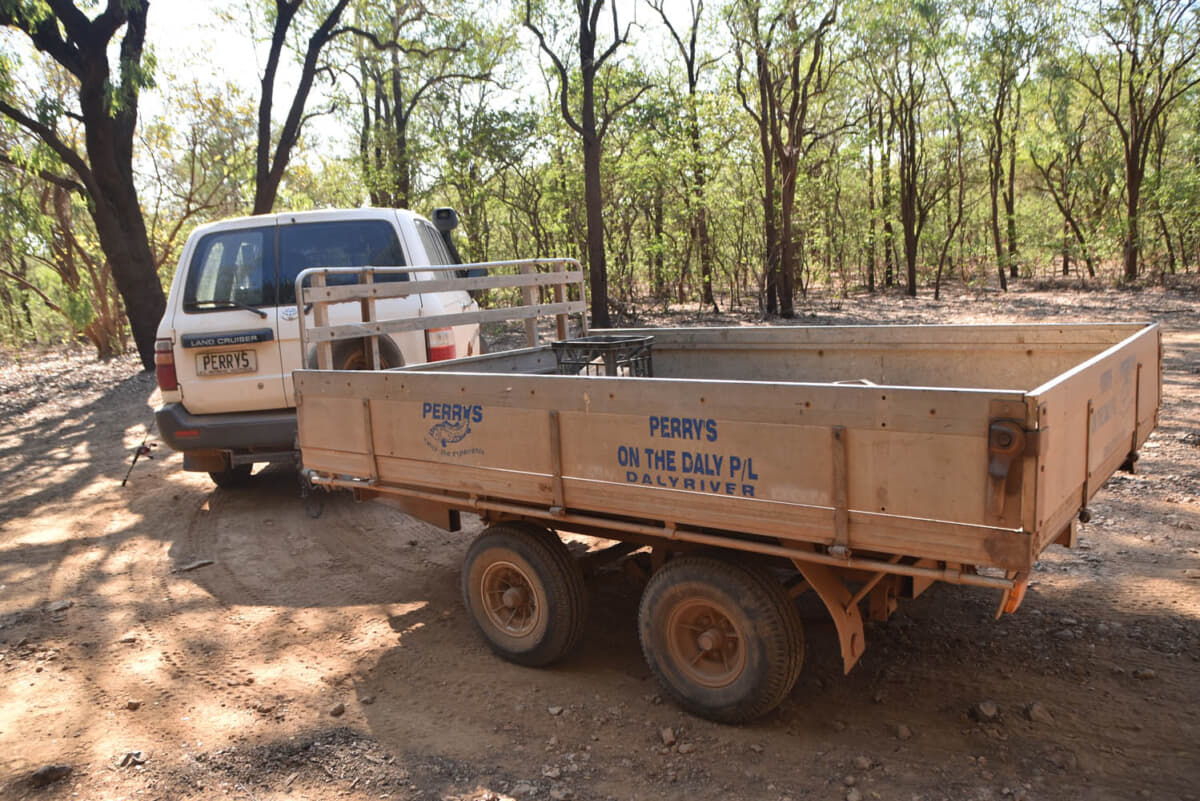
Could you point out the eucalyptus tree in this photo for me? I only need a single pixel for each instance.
(570, 37)
(1176, 191)
(196, 162)
(695, 62)
(1010, 34)
(410, 61)
(1139, 60)
(1070, 152)
(905, 39)
(480, 146)
(85, 40)
(317, 26)
(49, 252)
(793, 72)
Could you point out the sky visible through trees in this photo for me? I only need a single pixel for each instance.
(725, 153)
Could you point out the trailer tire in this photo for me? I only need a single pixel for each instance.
(232, 477)
(722, 636)
(525, 593)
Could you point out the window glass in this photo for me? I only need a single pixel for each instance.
(231, 267)
(435, 246)
(350, 243)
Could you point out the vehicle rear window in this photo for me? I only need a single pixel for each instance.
(439, 254)
(231, 267)
(350, 243)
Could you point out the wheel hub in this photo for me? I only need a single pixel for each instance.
(705, 643)
(514, 597)
(711, 640)
(509, 600)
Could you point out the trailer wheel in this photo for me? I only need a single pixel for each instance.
(722, 636)
(525, 593)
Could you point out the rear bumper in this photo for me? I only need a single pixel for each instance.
(239, 432)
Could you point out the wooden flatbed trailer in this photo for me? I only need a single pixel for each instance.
(862, 463)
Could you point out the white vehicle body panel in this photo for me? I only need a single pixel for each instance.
(231, 337)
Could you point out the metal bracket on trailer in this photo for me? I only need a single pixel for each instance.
(842, 608)
(1011, 600)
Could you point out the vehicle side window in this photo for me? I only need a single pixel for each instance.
(350, 243)
(439, 254)
(231, 267)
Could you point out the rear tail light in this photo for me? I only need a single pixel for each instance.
(164, 366)
(439, 344)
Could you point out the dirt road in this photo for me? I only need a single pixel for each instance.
(175, 641)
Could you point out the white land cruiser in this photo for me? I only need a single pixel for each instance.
(230, 339)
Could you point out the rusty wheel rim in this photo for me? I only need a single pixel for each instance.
(705, 644)
(355, 361)
(510, 599)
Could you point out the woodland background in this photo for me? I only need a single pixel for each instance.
(732, 154)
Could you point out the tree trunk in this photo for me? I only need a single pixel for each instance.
(770, 231)
(114, 203)
(1132, 244)
(593, 196)
(1066, 249)
(657, 264)
(885, 176)
(870, 206)
(787, 247)
(1010, 194)
(700, 210)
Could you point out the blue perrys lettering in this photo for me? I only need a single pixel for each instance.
(452, 412)
(668, 427)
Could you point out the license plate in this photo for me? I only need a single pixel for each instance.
(226, 362)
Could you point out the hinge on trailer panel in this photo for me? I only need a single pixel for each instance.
(1033, 442)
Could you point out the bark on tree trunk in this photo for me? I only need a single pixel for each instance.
(787, 248)
(870, 208)
(594, 203)
(885, 171)
(1131, 245)
(701, 214)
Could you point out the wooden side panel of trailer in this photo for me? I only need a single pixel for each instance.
(894, 470)
(1090, 420)
(1006, 357)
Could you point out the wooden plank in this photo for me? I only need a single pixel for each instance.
(560, 296)
(940, 540)
(1001, 357)
(331, 422)
(320, 319)
(510, 484)
(401, 289)
(529, 361)
(367, 307)
(531, 333)
(329, 333)
(335, 462)
(932, 411)
(459, 433)
(964, 337)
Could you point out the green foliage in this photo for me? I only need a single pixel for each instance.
(449, 105)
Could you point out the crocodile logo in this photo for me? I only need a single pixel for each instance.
(448, 433)
(451, 425)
